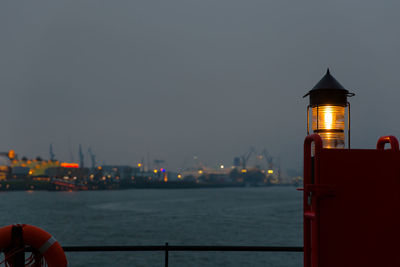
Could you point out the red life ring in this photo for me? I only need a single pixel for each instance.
(40, 240)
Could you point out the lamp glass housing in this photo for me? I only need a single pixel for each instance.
(329, 122)
(328, 104)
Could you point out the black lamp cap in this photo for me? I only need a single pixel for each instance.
(328, 91)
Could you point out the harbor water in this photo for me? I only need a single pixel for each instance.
(256, 216)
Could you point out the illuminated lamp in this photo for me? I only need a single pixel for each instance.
(328, 104)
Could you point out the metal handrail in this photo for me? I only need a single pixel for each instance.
(167, 248)
(181, 248)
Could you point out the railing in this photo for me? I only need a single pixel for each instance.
(167, 248)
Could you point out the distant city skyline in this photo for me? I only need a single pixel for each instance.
(254, 157)
(174, 79)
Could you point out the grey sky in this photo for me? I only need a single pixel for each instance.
(180, 78)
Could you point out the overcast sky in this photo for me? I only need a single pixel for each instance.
(177, 78)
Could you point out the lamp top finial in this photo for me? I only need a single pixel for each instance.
(328, 82)
(328, 90)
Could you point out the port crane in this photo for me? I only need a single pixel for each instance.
(81, 157)
(245, 158)
(274, 167)
(92, 157)
(51, 153)
(269, 159)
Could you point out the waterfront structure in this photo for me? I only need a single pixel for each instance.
(350, 196)
(40, 174)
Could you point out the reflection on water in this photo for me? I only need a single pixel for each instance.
(230, 216)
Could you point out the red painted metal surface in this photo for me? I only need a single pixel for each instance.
(351, 205)
(390, 139)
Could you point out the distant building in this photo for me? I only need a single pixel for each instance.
(67, 173)
(20, 172)
(123, 172)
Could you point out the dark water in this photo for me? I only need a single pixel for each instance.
(230, 216)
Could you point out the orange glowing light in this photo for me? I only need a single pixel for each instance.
(11, 154)
(69, 165)
(328, 117)
(329, 122)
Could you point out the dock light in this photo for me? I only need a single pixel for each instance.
(328, 103)
(11, 154)
(139, 165)
(270, 171)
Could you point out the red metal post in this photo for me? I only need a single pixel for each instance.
(310, 177)
(350, 201)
